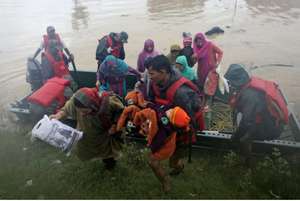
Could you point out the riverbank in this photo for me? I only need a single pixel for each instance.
(34, 170)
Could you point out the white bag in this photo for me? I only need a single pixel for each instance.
(56, 133)
(223, 84)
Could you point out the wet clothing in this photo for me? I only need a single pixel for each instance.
(112, 75)
(187, 72)
(96, 142)
(45, 42)
(146, 54)
(109, 42)
(208, 56)
(174, 52)
(256, 122)
(185, 97)
(188, 53)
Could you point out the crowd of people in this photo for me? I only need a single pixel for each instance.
(168, 103)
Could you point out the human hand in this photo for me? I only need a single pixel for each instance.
(71, 57)
(57, 116)
(112, 130)
(109, 50)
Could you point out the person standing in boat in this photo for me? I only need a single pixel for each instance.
(52, 36)
(111, 44)
(260, 109)
(111, 75)
(169, 88)
(147, 52)
(187, 49)
(174, 52)
(185, 70)
(97, 117)
(207, 55)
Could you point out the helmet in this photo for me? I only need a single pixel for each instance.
(123, 37)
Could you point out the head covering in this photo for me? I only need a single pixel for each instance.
(89, 98)
(179, 118)
(201, 53)
(187, 72)
(237, 75)
(123, 37)
(175, 47)
(113, 66)
(144, 54)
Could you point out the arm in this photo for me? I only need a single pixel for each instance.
(134, 71)
(219, 54)
(101, 51)
(122, 53)
(140, 65)
(190, 102)
(115, 110)
(39, 49)
(248, 105)
(37, 53)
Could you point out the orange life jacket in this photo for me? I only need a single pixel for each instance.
(275, 102)
(52, 90)
(46, 41)
(171, 91)
(59, 67)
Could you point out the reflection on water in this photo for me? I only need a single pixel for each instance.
(80, 16)
(168, 11)
(276, 10)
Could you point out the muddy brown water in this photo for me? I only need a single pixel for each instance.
(257, 32)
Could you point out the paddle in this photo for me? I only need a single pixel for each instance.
(75, 71)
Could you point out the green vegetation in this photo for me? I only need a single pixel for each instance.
(34, 170)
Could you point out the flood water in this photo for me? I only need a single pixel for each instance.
(257, 32)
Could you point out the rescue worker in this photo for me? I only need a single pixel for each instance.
(53, 65)
(97, 117)
(51, 35)
(111, 44)
(259, 108)
(169, 88)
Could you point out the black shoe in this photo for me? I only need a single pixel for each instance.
(176, 171)
(109, 163)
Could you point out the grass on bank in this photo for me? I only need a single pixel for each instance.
(34, 170)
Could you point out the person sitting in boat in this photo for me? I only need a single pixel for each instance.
(208, 56)
(53, 65)
(111, 75)
(187, 49)
(174, 52)
(111, 44)
(97, 117)
(259, 107)
(147, 52)
(51, 35)
(185, 70)
(169, 88)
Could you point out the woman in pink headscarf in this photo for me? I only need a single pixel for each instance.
(147, 52)
(208, 56)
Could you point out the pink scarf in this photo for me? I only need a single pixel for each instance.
(202, 57)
